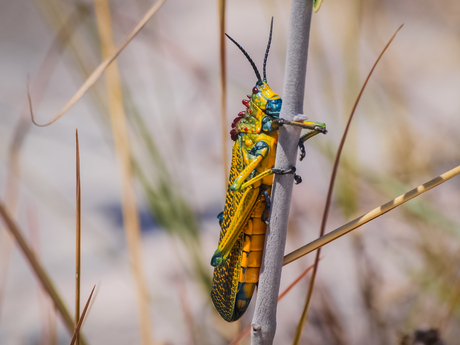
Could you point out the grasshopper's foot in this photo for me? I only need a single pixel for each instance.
(291, 170)
(297, 179)
(302, 149)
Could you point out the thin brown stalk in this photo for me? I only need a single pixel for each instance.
(78, 238)
(38, 269)
(304, 316)
(102, 67)
(223, 85)
(245, 332)
(82, 318)
(123, 151)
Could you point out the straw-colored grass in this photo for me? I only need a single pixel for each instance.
(123, 150)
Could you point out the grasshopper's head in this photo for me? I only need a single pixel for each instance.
(263, 105)
(266, 99)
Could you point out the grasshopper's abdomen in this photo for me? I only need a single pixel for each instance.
(253, 246)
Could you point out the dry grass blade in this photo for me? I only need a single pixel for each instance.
(245, 332)
(102, 67)
(38, 269)
(376, 212)
(78, 237)
(82, 318)
(223, 85)
(123, 151)
(304, 316)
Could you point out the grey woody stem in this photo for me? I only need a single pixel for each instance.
(264, 320)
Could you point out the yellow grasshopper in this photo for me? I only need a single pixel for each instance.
(244, 220)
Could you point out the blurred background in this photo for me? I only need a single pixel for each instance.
(380, 283)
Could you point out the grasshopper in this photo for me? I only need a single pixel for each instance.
(244, 220)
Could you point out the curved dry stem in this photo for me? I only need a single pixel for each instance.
(101, 68)
(311, 286)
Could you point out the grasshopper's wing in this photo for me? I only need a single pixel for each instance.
(238, 208)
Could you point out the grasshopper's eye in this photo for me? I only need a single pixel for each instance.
(255, 90)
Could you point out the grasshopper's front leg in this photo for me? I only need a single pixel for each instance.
(319, 128)
(315, 127)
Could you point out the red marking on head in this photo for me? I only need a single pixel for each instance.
(250, 111)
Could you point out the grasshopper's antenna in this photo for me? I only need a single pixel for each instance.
(247, 57)
(268, 48)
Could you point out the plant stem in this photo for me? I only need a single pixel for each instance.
(264, 321)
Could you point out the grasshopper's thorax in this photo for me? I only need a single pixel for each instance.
(262, 108)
